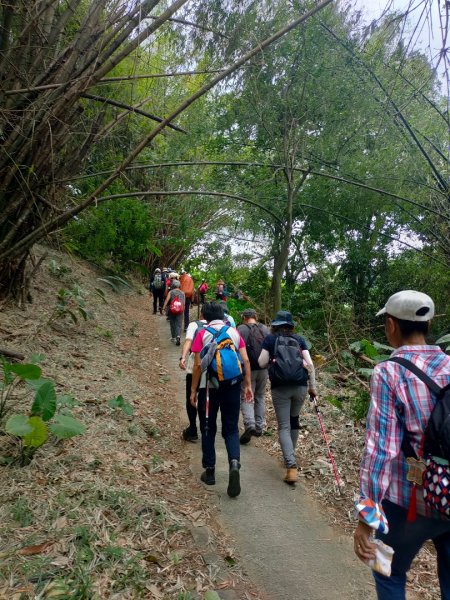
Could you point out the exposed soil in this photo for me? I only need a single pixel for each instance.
(116, 513)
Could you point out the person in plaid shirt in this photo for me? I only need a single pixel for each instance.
(400, 402)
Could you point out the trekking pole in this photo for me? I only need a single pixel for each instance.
(324, 435)
(207, 409)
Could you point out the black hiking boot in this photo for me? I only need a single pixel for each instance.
(178, 342)
(209, 476)
(247, 435)
(189, 435)
(234, 483)
(258, 432)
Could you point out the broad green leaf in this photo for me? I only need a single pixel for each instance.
(66, 400)
(211, 595)
(443, 339)
(128, 409)
(18, 425)
(384, 347)
(116, 402)
(365, 372)
(35, 384)
(37, 358)
(38, 435)
(26, 371)
(369, 349)
(356, 346)
(83, 313)
(65, 427)
(44, 404)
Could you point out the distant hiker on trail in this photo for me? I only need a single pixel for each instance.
(220, 351)
(157, 287)
(186, 363)
(407, 447)
(289, 362)
(202, 289)
(253, 413)
(228, 319)
(174, 302)
(221, 291)
(188, 289)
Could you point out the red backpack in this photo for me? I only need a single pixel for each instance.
(176, 306)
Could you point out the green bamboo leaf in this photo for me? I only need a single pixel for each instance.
(38, 435)
(443, 339)
(26, 371)
(18, 425)
(65, 427)
(44, 404)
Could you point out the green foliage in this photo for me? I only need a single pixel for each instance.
(114, 234)
(69, 303)
(120, 403)
(32, 430)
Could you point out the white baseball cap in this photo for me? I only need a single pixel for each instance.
(409, 305)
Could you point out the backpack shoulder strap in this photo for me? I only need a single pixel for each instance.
(404, 362)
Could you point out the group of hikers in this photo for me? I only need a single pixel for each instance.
(404, 497)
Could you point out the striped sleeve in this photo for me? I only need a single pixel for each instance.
(383, 442)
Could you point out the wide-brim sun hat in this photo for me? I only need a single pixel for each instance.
(409, 305)
(283, 317)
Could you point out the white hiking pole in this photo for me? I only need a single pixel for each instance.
(324, 435)
(207, 408)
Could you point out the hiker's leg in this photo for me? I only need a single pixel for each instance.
(178, 325)
(160, 299)
(172, 321)
(187, 305)
(190, 410)
(259, 392)
(442, 545)
(209, 432)
(281, 398)
(230, 399)
(298, 398)
(155, 301)
(406, 539)
(248, 408)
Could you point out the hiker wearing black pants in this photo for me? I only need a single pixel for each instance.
(223, 397)
(289, 362)
(186, 363)
(157, 287)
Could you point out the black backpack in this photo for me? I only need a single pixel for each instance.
(437, 432)
(286, 366)
(254, 344)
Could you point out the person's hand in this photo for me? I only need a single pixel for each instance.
(248, 394)
(193, 398)
(312, 392)
(364, 549)
(182, 364)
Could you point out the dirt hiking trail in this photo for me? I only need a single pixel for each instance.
(283, 543)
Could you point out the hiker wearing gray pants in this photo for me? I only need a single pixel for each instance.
(290, 366)
(287, 402)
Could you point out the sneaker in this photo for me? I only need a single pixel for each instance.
(291, 475)
(209, 476)
(234, 483)
(247, 435)
(172, 339)
(154, 312)
(188, 436)
(178, 342)
(258, 432)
